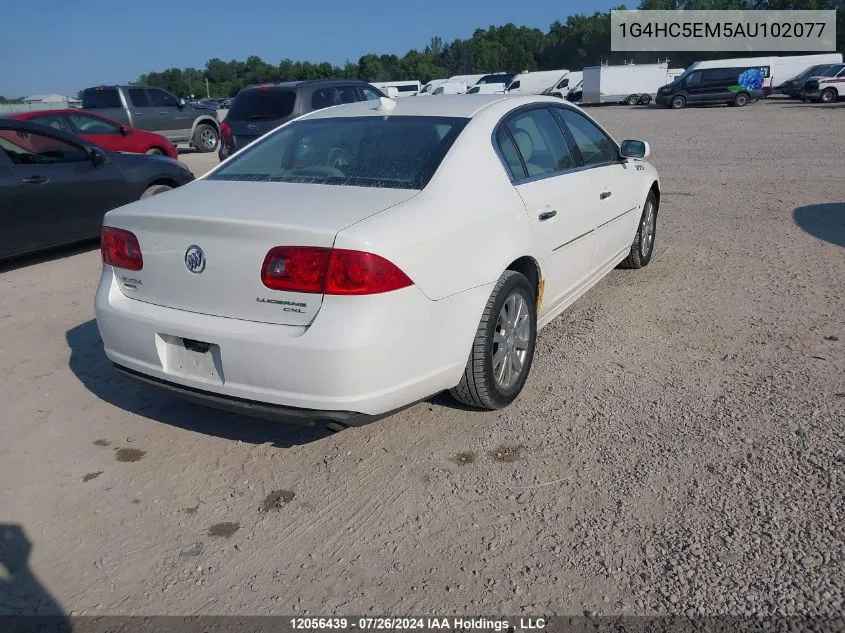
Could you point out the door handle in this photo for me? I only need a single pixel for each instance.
(604, 194)
(137, 114)
(35, 180)
(547, 215)
(163, 113)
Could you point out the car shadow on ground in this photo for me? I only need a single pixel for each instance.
(831, 106)
(89, 364)
(824, 221)
(21, 594)
(50, 255)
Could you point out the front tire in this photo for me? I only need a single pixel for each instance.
(503, 349)
(741, 100)
(643, 246)
(678, 102)
(155, 151)
(828, 95)
(632, 99)
(205, 138)
(155, 190)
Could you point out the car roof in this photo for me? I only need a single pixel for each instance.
(461, 106)
(24, 124)
(306, 83)
(32, 113)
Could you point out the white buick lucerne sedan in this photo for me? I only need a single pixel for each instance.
(367, 256)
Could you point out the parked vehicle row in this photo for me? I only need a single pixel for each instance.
(156, 110)
(55, 187)
(101, 131)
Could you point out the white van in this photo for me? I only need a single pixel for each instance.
(568, 83)
(428, 89)
(469, 80)
(450, 88)
(403, 88)
(491, 84)
(535, 83)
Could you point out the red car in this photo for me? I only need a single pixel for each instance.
(101, 131)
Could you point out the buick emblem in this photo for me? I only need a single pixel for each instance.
(195, 259)
(252, 126)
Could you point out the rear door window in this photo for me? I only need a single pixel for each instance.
(100, 98)
(540, 143)
(370, 94)
(253, 105)
(138, 97)
(332, 96)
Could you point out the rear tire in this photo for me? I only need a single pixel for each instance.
(645, 99)
(741, 100)
(632, 99)
(155, 190)
(155, 151)
(828, 95)
(205, 138)
(642, 248)
(507, 332)
(678, 102)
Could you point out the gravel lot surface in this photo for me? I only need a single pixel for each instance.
(678, 448)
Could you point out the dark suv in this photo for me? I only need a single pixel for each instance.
(256, 110)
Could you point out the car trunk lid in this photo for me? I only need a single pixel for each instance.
(203, 246)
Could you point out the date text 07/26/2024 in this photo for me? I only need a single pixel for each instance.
(416, 624)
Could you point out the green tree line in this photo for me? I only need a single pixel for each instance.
(582, 40)
(579, 41)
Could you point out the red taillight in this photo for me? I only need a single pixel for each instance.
(296, 268)
(357, 273)
(121, 249)
(226, 134)
(330, 271)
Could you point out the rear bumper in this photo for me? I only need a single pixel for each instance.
(266, 411)
(361, 355)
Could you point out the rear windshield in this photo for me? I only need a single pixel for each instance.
(94, 98)
(398, 152)
(253, 105)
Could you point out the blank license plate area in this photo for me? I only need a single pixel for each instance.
(190, 358)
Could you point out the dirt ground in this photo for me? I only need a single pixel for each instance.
(678, 448)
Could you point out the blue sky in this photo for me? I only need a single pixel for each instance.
(55, 46)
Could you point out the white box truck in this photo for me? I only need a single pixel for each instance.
(631, 83)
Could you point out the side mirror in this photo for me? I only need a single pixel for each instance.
(634, 149)
(124, 130)
(97, 155)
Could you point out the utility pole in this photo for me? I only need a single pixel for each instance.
(207, 93)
